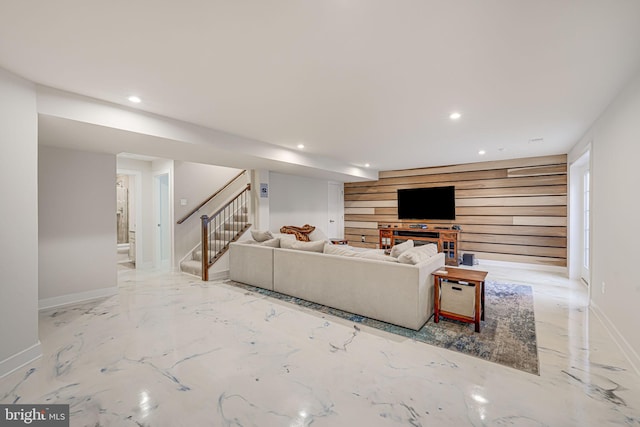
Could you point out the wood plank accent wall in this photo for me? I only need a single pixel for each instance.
(509, 210)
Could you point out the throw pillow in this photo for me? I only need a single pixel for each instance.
(283, 236)
(418, 254)
(261, 236)
(316, 235)
(271, 243)
(303, 246)
(376, 256)
(301, 233)
(397, 250)
(341, 250)
(431, 249)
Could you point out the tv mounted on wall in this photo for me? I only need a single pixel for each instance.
(427, 203)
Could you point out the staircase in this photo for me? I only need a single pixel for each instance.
(223, 227)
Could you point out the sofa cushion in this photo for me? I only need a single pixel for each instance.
(418, 254)
(272, 243)
(397, 250)
(261, 236)
(303, 246)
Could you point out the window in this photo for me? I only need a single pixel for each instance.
(586, 218)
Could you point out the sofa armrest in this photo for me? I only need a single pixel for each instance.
(425, 279)
(251, 264)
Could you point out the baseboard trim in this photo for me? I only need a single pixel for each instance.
(629, 353)
(20, 359)
(524, 266)
(220, 275)
(63, 300)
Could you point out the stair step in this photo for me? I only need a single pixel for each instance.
(217, 244)
(237, 225)
(225, 235)
(197, 255)
(241, 217)
(191, 267)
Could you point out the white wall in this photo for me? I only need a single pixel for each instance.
(296, 200)
(260, 205)
(195, 182)
(19, 225)
(77, 224)
(615, 211)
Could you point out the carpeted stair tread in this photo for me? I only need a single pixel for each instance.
(197, 255)
(226, 234)
(238, 225)
(191, 267)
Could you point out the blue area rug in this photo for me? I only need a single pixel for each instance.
(507, 337)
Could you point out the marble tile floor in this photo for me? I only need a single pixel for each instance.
(169, 350)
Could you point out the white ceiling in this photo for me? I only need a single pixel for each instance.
(360, 81)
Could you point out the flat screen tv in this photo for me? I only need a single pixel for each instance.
(427, 203)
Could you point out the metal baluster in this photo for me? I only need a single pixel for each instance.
(205, 241)
(225, 242)
(216, 235)
(212, 237)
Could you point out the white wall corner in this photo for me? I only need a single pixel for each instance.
(18, 360)
(75, 298)
(260, 205)
(629, 353)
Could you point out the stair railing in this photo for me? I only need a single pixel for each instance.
(197, 208)
(222, 228)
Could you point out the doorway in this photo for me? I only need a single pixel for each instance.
(128, 217)
(335, 227)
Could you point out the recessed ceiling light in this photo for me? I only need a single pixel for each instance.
(482, 152)
(135, 99)
(366, 165)
(301, 146)
(455, 115)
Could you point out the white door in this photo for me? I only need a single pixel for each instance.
(335, 228)
(163, 220)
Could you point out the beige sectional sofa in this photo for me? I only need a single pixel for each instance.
(392, 292)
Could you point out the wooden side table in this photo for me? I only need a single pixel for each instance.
(473, 277)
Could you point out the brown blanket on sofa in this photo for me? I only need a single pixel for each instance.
(301, 233)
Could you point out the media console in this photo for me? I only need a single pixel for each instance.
(447, 240)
